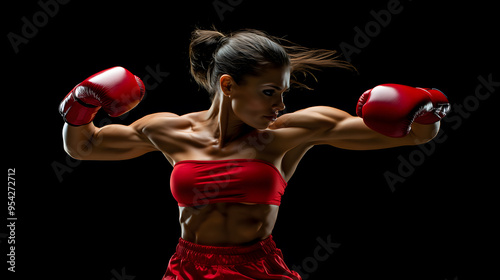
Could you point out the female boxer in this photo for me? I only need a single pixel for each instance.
(231, 163)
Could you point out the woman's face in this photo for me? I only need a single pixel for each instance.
(257, 99)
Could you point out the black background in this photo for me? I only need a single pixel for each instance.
(117, 220)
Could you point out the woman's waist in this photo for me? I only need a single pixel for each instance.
(225, 255)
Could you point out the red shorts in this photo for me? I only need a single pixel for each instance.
(261, 260)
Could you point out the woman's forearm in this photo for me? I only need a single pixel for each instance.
(77, 140)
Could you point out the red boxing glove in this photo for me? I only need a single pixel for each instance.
(116, 90)
(390, 109)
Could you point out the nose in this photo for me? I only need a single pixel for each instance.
(279, 105)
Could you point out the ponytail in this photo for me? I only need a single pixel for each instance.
(248, 52)
(204, 44)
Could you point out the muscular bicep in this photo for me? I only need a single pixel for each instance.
(352, 133)
(117, 142)
(110, 142)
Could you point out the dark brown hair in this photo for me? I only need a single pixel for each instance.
(248, 52)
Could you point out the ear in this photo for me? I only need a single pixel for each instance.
(226, 84)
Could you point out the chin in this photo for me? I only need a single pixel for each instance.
(259, 125)
(257, 122)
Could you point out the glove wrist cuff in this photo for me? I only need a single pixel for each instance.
(75, 112)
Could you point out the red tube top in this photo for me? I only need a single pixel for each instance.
(199, 182)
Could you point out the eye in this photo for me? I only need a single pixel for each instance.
(268, 92)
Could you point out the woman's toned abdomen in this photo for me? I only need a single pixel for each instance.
(227, 224)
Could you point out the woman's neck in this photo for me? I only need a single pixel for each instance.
(226, 126)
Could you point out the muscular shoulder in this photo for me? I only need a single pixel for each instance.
(161, 121)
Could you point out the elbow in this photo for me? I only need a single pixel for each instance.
(77, 142)
(72, 153)
(77, 153)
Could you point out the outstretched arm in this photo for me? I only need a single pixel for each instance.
(322, 125)
(352, 133)
(391, 116)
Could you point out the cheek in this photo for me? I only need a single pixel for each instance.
(249, 110)
(248, 107)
